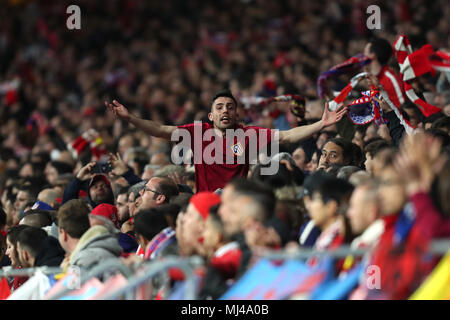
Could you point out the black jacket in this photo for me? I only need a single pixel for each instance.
(74, 187)
(214, 284)
(396, 129)
(50, 254)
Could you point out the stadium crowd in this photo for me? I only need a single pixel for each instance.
(86, 117)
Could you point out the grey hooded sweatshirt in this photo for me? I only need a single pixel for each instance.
(96, 245)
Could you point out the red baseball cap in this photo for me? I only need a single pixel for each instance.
(203, 201)
(107, 211)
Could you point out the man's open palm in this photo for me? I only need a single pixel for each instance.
(331, 117)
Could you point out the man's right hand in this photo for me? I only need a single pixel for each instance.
(118, 110)
(85, 172)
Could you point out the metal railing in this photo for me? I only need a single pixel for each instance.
(154, 268)
(438, 247)
(107, 266)
(148, 269)
(28, 272)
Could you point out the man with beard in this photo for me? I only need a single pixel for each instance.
(213, 175)
(98, 187)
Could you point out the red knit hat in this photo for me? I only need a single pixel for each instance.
(203, 201)
(107, 211)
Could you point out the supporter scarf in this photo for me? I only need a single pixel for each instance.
(404, 224)
(363, 110)
(338, 101)
(39, 122)
(91, 139)
(156, 242)
(366, 109)
(353, 64)
(297, 102)
(414, 64)
(327, 237)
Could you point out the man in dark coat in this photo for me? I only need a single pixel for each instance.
(97, 186)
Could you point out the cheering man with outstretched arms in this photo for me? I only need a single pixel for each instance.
(214, 145)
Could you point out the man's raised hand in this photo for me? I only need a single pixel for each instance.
(118, 110)
(331, 117)
(85, 173)
(119, 168)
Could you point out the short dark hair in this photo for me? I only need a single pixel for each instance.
(31, 189)
(149, 222)
(370, 140)
(170, 211)
(313, 181)
(382, 49)
(259, 192)
(73, 217)
(376, 146)
(224, 93)
(168, 188)
(335, 189)
(182, 200)
(38, 218)
(31, 239)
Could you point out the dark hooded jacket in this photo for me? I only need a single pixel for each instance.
(76, 185)
(50, 254)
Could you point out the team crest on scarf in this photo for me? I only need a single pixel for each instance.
(237, 149)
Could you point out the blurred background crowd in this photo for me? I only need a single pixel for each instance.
(165, 60)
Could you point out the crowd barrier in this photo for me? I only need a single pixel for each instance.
(438, 247)
(148, 270)
(107, 266)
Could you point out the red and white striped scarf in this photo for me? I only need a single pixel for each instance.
(338, 101)
(414, 64)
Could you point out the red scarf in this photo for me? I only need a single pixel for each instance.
(414, 64)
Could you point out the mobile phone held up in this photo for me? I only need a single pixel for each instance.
(101, 167)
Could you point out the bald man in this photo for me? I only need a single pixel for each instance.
(49, 196)
(36, 218)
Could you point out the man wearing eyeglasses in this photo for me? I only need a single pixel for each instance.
(157, 191)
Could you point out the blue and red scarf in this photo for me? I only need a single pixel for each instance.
(161, 240)
(351, 65)
(366, 109)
